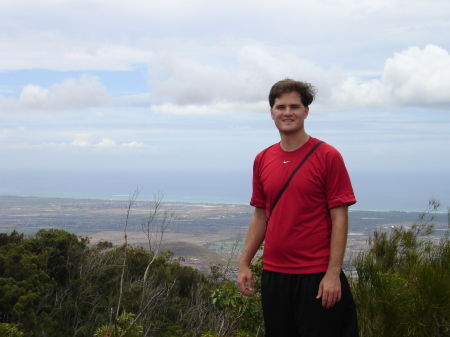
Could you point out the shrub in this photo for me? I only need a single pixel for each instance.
(243, 314)
(9, 330)
(125, 324)
(403, 285)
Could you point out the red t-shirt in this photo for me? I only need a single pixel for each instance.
(298, 234)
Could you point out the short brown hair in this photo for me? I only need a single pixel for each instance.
(306, 91)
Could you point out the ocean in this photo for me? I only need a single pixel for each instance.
(378, 191)
(205, 187)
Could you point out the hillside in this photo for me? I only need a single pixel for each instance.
(191, 250)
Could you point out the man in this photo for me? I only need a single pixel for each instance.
(304, 291)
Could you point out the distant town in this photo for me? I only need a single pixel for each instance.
(202, 234)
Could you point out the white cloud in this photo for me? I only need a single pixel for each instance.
(81, 140)
(12, 133)
(40, 49)
(106, 143)
(215, 108)
(183, 86)
(186, 81)
(133, 144)
(413, 77)
(116, 35)
(202, 62)
(70, 94)
(353, 94)
(419, 77)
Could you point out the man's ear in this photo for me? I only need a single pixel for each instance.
(271, 113)
(306, 111)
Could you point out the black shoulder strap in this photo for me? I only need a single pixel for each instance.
(290, 178)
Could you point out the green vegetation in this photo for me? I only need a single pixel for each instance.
(55, 284)
(244, 314)
(402, 288)
(125, 326)
(9, 330)
(403, 284)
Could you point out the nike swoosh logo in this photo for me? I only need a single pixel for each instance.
(286, 162)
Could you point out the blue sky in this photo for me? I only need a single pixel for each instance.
(180, 86)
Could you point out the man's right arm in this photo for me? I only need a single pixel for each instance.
(255, 237)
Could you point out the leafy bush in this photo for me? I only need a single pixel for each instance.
(403, 284)
(53, 284)
(10, 330)
(243, 314)
(124, 327)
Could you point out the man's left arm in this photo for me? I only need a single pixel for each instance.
(330, 287)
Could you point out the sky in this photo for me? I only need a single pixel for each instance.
(176, 91)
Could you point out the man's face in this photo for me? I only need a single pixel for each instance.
(289, 113)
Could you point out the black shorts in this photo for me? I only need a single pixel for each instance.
(291, 309)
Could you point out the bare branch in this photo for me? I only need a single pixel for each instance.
(155, 228)
(131, 201)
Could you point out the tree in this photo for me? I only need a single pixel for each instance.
(24, 285)
(10, 330)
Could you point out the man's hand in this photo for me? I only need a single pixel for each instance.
(330, 290)
(255, 237)
(245, 281)
(330, 286)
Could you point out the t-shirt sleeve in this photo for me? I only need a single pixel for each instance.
(258, 196)
(339, 190)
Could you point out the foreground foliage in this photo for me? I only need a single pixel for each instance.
(402, 288)
(123, 327)
(243, 314)
(54, 284)
(403, 285)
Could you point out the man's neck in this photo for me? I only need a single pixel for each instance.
(291, 142)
